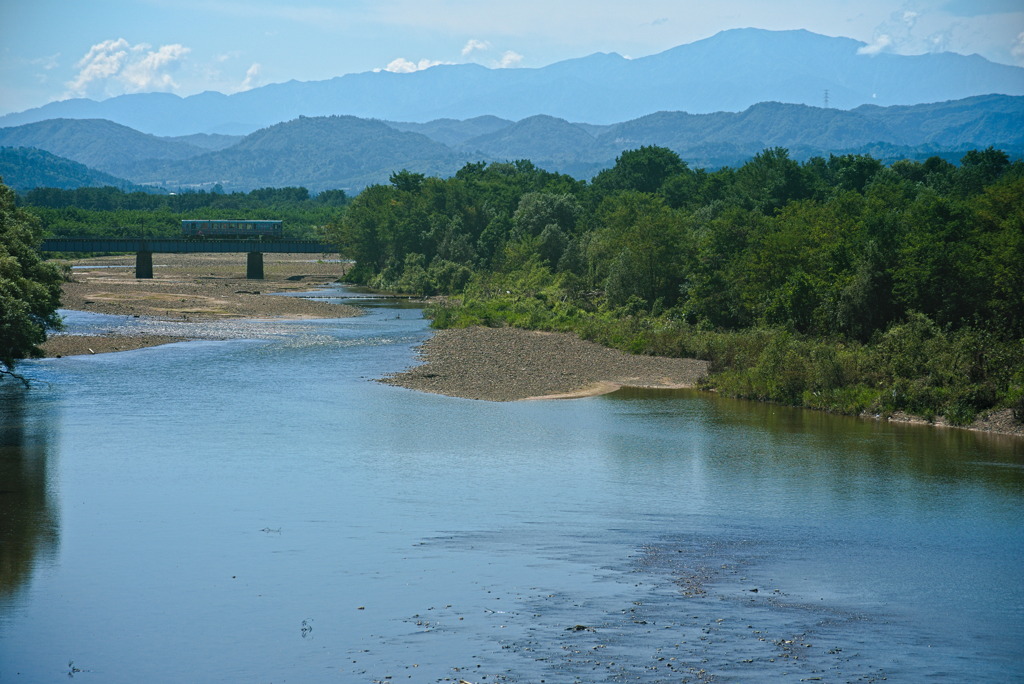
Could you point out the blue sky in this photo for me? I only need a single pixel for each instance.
(56, 49)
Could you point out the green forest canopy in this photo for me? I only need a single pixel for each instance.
(734, 265)
(842, 246)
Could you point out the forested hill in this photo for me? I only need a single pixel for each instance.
(345, 152)
(25, 168)
(102, 145)
(314, 152)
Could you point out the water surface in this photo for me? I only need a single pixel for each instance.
(259, 510)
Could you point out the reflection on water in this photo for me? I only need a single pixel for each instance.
(28, 516)
(854, 449)
(261, 510)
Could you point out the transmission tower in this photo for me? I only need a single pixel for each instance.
(826, 98)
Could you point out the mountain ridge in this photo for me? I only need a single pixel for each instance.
(347, 152)
(729, 71)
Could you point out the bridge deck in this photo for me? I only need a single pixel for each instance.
(180, 246)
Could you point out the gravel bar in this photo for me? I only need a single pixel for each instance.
(507, 364)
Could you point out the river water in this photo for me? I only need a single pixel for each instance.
(259, 510)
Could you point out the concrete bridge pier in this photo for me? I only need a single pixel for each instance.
(254, 266)
(143, 264)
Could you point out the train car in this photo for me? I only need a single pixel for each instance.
(203, 229)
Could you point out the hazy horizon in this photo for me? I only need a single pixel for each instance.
(56, 50)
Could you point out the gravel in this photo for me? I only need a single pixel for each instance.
(507, 364)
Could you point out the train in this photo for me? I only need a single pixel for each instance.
(232, 229)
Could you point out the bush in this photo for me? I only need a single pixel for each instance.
(1016, 402)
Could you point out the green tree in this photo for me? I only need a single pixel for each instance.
(941, 270)
(29, 287)
(641, 248)
(407, 181)
(537, 210)
(853, 171)
(770, 180)
(642, 170)
(979, 168)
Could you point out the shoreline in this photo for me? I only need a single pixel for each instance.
(512, 364)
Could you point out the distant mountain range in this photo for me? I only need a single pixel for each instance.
(731, 71)
(347, 152)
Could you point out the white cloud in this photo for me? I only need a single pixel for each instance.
(510, 59)
(115, 67)
(895, 35)
(252, 77)
(404, 66)
(473, 44)
(1018, 48)
(928, 29)
(939, 42)
(150, 72)
(102, 61)
(881, 43)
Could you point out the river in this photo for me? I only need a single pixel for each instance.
(260, 510)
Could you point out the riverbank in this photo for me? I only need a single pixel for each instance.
(190, 288)
(508, 364)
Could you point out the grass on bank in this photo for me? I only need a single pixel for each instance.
(914, 366)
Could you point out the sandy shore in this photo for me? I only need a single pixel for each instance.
(506, 364)
(193, 288)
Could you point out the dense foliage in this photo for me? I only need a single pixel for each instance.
(29, 287)
(838, 283)
(110, 212)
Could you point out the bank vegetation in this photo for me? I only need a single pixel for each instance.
(839, 284)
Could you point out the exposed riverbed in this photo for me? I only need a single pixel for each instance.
(188, 288)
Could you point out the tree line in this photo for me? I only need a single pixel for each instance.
(111, 212)
(839, 283)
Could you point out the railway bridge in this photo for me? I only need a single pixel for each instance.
(144, 249)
